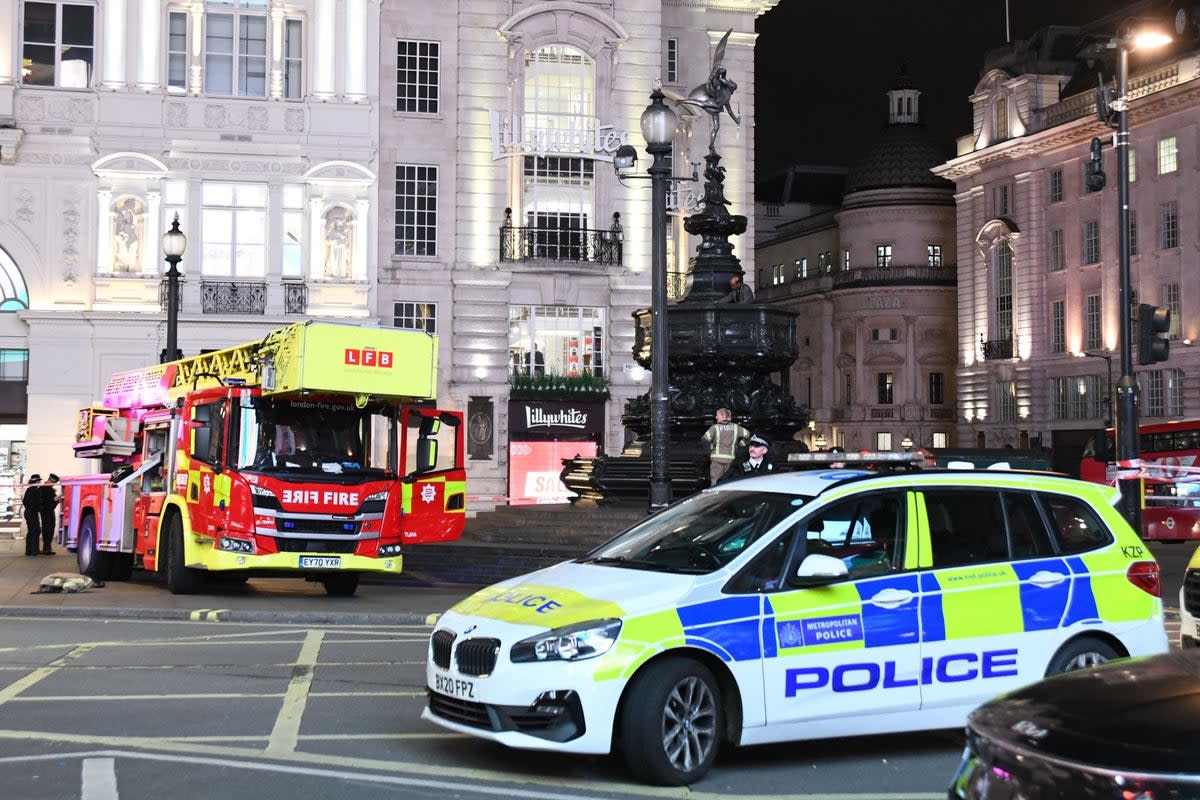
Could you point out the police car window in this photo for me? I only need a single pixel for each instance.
(866, 533)
(1026, 530)
(699, 535)
(966, 526)
(1074, 524)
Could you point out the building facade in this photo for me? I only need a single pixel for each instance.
(873, 284)
(1038, 348)
(445, 166)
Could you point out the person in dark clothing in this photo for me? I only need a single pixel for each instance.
(31, 505)
(739, 292)
(755, 462)
(49, 512)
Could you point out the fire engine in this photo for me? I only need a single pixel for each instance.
(313, 452)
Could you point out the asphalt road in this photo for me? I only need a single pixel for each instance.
(137, 709)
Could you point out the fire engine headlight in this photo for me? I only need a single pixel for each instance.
(377, 496)
(235, 545)
(389, 550)
(261, 491)
(570, 643)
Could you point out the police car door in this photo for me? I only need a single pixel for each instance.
(984, 602)
(850, 646)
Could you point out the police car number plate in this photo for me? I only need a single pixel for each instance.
(455, 687)
(320, 562)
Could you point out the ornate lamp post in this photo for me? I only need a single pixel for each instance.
(173, 245)
(658, 129)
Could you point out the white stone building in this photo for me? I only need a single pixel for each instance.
(339, 159)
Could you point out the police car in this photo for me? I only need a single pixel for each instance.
(1189, 603)
(797, 606)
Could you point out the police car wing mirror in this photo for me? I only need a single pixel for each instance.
(819, 570)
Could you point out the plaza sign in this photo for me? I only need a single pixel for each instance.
(512, 137)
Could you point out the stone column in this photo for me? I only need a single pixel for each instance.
(195, 62)
(150, 43)
(104, 254)
(355, 54)
(113, 22)
(275, 85)
(323, 47)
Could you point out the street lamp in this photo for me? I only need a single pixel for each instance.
(173, 245)
(820, 441)
(906, 442)
(658, 129)
(1128, 39)
(1108, 396)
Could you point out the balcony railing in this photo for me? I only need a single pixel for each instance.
(233, 297)
(556, 244)
(295, 298)
(993, 349)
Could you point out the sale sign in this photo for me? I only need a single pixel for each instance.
(534, 467)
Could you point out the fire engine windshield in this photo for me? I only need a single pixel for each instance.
(308, 435)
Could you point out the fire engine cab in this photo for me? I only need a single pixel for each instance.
(312, 452)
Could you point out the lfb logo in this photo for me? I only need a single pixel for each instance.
(368, 357)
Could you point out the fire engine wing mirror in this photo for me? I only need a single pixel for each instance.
(201, 443)
(819, 570)
(120, 473)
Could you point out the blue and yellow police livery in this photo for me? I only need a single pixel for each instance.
(798, 606)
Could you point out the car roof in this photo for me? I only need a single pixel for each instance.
(813, 482)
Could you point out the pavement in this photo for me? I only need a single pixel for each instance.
(262, 600)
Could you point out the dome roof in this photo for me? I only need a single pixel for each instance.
(901, 157)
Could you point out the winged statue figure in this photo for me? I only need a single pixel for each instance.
(714, 96)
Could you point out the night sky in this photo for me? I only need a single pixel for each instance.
(823, 68)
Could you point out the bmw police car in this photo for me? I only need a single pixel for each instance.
(1189, 603)
(798, 606)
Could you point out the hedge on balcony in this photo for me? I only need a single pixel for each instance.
(550, 386)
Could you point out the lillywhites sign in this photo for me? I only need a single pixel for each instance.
(512, 137)
(563, 418)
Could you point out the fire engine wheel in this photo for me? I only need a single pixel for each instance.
(93, 562)
(343, 584)
(180, 579)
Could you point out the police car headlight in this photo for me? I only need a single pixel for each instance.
(571, 643)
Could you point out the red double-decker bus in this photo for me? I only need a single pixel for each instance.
(1170, 469)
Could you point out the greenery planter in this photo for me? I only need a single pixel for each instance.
(550, 386)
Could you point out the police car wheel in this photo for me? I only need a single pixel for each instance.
(1080, 654)
(671, 726)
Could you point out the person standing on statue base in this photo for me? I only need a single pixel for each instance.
(755, 462)
(31, 506)
(723, 439)
(739, 292)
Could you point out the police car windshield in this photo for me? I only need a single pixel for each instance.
(699, 535)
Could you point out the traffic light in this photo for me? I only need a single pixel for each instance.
(1096, 179)
(1152, 320)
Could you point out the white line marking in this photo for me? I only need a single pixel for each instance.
(99, 779)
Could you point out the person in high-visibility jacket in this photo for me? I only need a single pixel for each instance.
(723, 439)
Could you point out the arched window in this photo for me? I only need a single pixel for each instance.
(557, 186)
(14, 295)
(1001, 119)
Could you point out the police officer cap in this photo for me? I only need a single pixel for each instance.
(756, 439)
(35, 478)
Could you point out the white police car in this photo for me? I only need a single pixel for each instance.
(798, 606)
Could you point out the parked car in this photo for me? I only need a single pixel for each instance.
(1128, 730)
(795, 606)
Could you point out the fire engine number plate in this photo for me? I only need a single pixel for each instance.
(320, 562)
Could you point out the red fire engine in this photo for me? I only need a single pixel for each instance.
(310, 452)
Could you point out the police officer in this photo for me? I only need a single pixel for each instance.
(31, 506)
(49, 512)
(755, 462)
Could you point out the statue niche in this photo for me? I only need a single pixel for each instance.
(339, 242)
(129, 219)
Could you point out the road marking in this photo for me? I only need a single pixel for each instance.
(88, 698)
(432, 619)
(38, 675)
(461, 780)
(207, 614)
(284, 735)
(99, 780)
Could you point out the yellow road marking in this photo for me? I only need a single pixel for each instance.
(14, 689)
(287, 724)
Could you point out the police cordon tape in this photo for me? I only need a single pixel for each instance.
(1158, 469)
